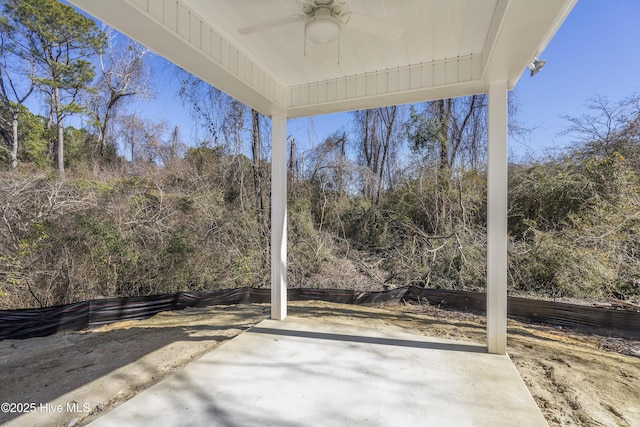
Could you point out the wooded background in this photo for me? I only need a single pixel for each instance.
(124, 206)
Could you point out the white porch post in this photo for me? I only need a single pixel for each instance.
(278, 216)
(497, 220)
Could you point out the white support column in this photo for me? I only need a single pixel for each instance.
(278, 216)
(497, 220)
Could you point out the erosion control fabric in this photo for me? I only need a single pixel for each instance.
(28, 323)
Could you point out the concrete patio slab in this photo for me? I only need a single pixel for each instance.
(300, 372)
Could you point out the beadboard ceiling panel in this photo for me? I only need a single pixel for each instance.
(447, 48)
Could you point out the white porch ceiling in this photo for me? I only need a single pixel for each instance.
(448, 48)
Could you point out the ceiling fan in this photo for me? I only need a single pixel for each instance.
(324, 20)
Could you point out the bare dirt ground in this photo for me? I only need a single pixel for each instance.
(70, 379)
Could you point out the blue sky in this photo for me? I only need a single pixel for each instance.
(595, 52)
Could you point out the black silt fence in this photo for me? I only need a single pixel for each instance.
(28, 323)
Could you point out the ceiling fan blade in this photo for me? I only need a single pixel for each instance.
(271, 23)
(376, 26)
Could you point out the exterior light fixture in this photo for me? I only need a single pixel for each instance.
(323, 27)
(536, 65)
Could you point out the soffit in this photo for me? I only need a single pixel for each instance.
(448, 48)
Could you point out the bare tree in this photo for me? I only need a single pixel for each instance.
(225, 121)
(16, 84)
(611, 127)
(330, 167)
(222, 118)
(174, 149)
(125, 74)
(378, 141)
(390, 138)
(143, 137)
(292, 167)
(449, 135)
(238, 129)
(219, 115)
(450, 132)
(258, 171)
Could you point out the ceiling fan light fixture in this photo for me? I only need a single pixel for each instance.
(323, 28)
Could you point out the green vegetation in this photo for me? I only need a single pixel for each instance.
(573, 232)
(139, 212)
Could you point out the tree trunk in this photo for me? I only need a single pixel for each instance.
(444, 168)
(174, 144)
(444, 117)
(257, 170)
(133, 145)
(51, 144)
(388, 119)
(366, 191)
(59, 124)
(341, 162)
(257, 183)
(292, 161)
(14, 145)
(60, 147)
(102, 137)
